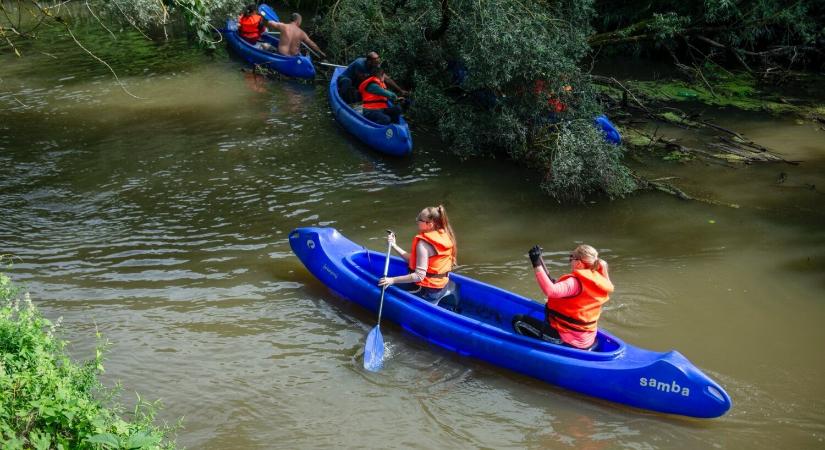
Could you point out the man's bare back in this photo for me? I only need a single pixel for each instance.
(290, 39)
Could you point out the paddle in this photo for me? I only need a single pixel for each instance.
(332, 65)
(374, 349)
(268, 12)
(547, 271)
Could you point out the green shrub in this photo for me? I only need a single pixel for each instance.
(48, 401)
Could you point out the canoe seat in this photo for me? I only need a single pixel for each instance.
(449, 298)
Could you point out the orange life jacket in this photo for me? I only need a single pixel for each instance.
(249, 27)
(373, 101)
(580, 312)
(438, 265)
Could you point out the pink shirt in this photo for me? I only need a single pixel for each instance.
(567, 288)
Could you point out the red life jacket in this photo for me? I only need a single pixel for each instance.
(553, 102)
(438, 265)
(556, 105)
(373, 101)
(249, 27)
(580, 312)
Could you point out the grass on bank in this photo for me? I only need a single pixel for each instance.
(718, 87)
(47, 401)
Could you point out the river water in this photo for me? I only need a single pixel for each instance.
(163, 222)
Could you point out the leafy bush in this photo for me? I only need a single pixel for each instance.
(48, 401)
(200, 15)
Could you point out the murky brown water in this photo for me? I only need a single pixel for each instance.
(163, 223)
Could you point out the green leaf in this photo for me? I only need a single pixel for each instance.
(142, 439)
(107, 440)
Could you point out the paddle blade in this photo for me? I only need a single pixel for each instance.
(268, 12)
(374, 351)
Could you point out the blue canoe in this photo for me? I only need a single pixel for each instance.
(293, 66)
(666, 382)
(393, 139)
(611, 134)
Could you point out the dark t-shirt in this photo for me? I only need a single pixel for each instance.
(357, 70)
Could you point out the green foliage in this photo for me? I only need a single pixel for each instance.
(48, 401)
(201, 16)
(760, 30)
(736, 90)
(678, 156)
(668, 25)
(474, 65)
(584, 164)
(21, 20)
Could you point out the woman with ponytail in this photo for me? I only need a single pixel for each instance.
(431, 257)
(574, 302)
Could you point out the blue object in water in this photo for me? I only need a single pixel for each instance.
(611, 134)
(660, 381)
(293, 66)
(393, 139)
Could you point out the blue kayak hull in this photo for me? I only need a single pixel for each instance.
(293, 66)
(392, 139)
(660, 381)
(611, 134)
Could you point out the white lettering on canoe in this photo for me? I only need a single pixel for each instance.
(664, 386)
(330, 271)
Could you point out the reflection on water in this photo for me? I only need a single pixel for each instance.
(163, 222)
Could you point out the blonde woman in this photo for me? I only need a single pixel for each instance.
(431, 257)
(574, 302)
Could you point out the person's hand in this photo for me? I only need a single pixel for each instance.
(386, 281)
(391, 239)
(535, 255)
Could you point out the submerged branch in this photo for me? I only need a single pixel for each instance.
(659, 185)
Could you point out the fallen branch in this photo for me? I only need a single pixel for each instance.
(670, 189)
(611, 80)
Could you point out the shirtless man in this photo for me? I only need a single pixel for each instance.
(292, 36)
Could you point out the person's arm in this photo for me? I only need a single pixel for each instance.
(391, 83)
(306, 40)
(567, 288)
(374, 88)
(399, 250)
(603, 269)
(274, 25)
(423, 252)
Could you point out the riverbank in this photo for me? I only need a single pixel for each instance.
(51, 401)
(663, 116)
